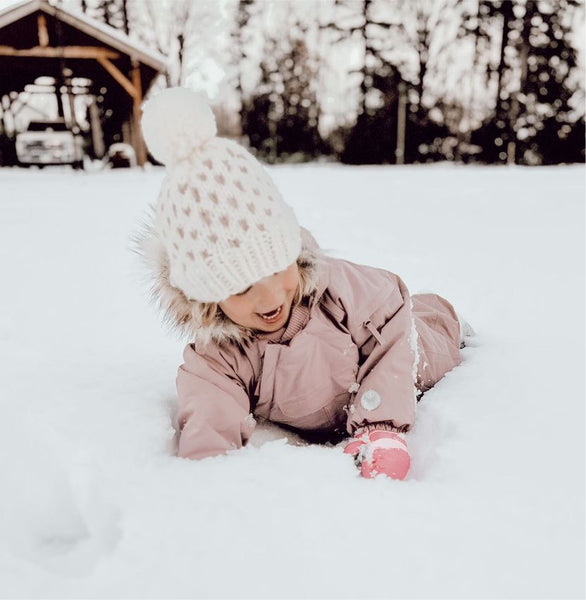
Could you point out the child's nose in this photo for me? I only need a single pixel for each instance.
(270, 297)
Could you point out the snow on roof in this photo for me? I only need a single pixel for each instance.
(106, 33)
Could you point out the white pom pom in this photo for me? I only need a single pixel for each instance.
(175, 122)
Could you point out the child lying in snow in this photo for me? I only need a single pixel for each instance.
(278, 330)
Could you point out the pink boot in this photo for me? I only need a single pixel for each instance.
(380, 452)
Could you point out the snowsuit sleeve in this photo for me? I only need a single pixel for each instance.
(387, 371)
(378, 316)
(214, 406)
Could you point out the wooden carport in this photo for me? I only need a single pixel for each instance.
(40, 39)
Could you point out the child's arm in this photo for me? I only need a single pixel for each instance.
(378, 317)
(387, 392)
(214, 408)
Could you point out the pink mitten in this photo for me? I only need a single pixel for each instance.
(380, 452)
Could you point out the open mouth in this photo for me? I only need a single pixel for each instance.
(273, 316)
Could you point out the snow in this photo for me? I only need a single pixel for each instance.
(94, 504)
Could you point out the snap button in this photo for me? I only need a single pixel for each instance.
(370, 400)
(354, 388)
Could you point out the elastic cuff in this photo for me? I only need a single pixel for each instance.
(385, 426)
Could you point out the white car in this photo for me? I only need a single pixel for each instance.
(49, 143)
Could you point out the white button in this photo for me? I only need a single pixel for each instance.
(354, 388)
(370, 400)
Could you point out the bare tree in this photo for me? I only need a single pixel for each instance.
(182, 30)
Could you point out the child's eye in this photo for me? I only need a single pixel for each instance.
(244, 291)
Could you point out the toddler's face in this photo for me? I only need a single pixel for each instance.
(266, 305)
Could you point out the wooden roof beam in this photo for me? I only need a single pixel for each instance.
(131, 90)
(62, 51)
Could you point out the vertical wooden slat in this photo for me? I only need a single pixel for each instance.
(96, 129)
(139, 146)
(42, 31)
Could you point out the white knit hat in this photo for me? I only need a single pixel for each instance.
(219, 215)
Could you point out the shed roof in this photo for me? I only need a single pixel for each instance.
(104, 33)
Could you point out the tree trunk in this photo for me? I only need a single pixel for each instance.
(502, 107)
(513, 149)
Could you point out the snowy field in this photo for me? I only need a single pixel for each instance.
(93, 504)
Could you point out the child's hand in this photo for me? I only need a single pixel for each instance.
(380, 452)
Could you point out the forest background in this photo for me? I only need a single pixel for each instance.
(375, 81)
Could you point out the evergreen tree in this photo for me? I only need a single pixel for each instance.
(480, 24)
(392, 107)
(543, 118)
(436, 114)
(534, 121)
(372, 139)
(257, 112)
(280, 117)
(296, 107)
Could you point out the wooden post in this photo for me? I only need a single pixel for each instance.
(67, 74)
(42, 31)
(96, 129)
(401, 123)
(138, 142)
(133, 87)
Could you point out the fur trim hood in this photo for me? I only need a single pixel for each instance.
(202, 323)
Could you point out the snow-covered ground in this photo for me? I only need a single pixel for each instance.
(94, 504)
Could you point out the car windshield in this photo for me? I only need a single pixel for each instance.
(47, 125)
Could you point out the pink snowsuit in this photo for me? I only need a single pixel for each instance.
(359, 354)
